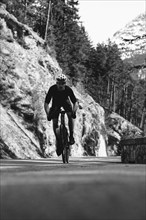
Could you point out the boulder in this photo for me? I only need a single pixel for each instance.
(119, 128)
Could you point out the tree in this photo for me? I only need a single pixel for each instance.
(71, 43)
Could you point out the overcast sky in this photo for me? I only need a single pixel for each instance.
(102, 18)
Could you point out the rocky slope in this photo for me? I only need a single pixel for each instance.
(27, 71)
(131, 41)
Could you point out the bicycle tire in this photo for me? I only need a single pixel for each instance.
(64, 140)
(67, 154)
(63, 157)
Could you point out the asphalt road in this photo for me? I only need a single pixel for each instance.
(85, 189)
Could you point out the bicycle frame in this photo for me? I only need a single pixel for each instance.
(64, 138)
(62, 112)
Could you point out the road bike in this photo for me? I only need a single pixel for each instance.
(63, 138)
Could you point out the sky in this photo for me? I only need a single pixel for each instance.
(102, 18)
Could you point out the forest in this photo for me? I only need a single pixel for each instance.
(101, 71)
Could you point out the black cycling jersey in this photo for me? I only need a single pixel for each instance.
(59, 98)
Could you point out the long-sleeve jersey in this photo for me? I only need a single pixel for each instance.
(60, 97)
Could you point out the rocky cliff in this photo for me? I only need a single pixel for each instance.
(27, 71)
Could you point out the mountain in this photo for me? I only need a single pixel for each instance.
(131, 40)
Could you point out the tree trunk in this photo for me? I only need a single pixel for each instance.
(122, 104)
(114, 97)
(25, 13)
(48, 18)
(143, 117)
(108, 93)
(125, 102)
(130, 107)
(111, 97)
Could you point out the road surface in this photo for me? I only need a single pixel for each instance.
(87, 188)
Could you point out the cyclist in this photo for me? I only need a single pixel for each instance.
(61, 96)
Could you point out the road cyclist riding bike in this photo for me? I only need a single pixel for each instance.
(62, 96)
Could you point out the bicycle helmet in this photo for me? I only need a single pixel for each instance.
(61, 78)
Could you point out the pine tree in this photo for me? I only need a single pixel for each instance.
(71, 42)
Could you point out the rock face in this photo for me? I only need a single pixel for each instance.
(27, 71)
(16, 141)
(131, 39)
(119, 128)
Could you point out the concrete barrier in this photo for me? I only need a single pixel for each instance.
(133, 150)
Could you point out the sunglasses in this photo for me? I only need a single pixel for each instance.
(61, 83)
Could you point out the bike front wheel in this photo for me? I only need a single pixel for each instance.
(65, 155)
(65, 144)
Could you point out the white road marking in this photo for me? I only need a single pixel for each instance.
(9, 167)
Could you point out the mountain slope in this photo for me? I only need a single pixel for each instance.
(132, 39)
